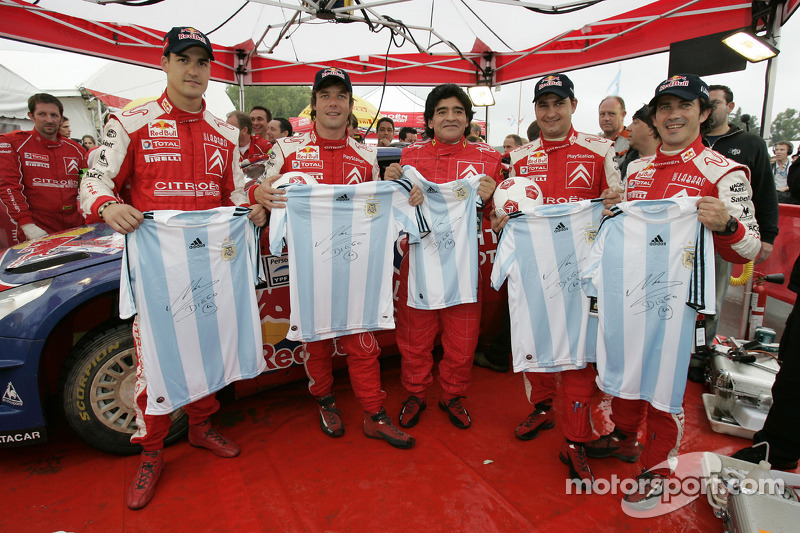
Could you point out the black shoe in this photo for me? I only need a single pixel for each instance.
(330, 418)
(756, 454)
(409, 414)
(483, 360)
(459, 416)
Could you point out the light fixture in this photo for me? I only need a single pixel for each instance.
(481, 95)
(751, 46)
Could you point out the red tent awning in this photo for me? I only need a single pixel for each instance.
(110, 100)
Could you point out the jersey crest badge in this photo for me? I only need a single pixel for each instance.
(228, 251)
(688, 256)
(590, 234)
(373, 207)
(460, 191)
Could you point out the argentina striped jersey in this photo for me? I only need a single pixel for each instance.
(443, 267)
(191, 275)
(542, 255)
(341, 241)
(652, 270)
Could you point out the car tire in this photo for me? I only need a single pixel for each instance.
(97, 392)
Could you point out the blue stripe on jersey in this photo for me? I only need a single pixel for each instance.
(244, 320)
(149, 252)
(613, 309)
(199, 266)
(542, 331)
(340, 257)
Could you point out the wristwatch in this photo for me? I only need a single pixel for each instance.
(730, 228)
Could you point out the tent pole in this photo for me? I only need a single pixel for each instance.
(770, 81)
(241, 92)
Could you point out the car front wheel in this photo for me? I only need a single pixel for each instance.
(97, 392)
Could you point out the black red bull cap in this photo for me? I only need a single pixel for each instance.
(332, 73)
(686, 86)
(180, 38)
(558, 84)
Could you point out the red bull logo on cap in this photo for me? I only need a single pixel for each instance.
(191, 33)
(674, 81)
(550, 81)
(333, 71)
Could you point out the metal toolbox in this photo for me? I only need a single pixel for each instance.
(732, 381)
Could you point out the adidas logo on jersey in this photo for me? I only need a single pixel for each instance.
(657, 241)
(343, 198)
(431, 190)
(560, 227)
(197, 243)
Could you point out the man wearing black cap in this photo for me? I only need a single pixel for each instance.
(682, 166)
(568, 166)
(170, 153)
(332, 157)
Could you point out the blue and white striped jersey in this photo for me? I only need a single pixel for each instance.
(542, 255)
(443, 267)
(341, 244)
(191, 276)
(652, 271)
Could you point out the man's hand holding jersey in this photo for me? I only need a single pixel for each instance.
(125, 218)
(268, 196)
(395, 172)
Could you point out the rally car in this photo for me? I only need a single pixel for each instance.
(62, 341)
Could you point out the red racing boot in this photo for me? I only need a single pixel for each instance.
(204, 436)
(143, 487)
(379, 426)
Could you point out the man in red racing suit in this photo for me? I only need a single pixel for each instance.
(332, 157)
(682, 166)
(170, 153)
(444, 157)
(568, 166)
(39, 171)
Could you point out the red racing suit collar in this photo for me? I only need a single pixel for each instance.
(689, 153)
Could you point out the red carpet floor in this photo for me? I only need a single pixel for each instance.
(291, 477)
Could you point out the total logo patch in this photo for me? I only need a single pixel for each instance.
(36, 157)
(307, 165)
(162, 128)
(157, 144)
